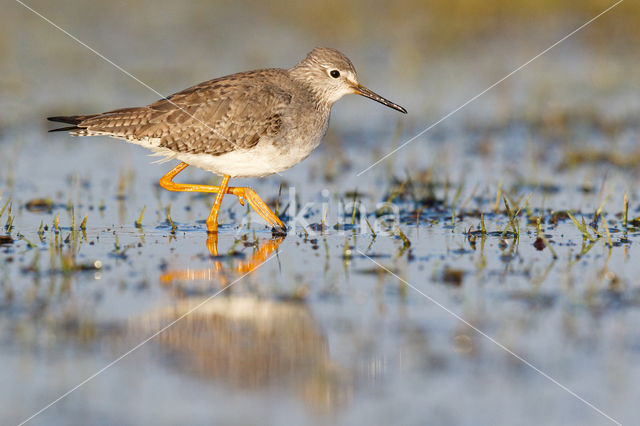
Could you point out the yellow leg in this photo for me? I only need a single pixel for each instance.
(212, 220)
(243, 194)
(167, 182)
(258, 205)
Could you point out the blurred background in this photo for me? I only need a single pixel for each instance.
(429, 56)
(321, 335)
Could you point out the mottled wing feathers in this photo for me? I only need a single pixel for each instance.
(213, 117)
(221, 115)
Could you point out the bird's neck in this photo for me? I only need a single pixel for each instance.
(302, 76)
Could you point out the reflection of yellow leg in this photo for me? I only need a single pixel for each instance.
(258, 258)
(217, 273)
(243, 194)
(212, 244)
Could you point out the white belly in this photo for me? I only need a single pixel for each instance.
(262, 160)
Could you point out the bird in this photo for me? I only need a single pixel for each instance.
(248, 124)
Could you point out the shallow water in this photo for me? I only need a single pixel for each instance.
(405, 316)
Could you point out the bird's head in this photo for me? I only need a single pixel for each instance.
(331, 75)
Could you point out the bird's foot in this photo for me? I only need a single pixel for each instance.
(254, 200)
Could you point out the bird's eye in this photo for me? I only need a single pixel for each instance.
(334, 73)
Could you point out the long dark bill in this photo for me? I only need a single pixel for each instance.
(361, 90)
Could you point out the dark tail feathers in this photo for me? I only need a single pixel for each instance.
(68, 119)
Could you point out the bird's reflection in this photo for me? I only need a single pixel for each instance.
(243, 341)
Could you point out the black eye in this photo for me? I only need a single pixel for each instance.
(334, 73)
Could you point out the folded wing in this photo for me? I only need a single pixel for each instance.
(213, 117)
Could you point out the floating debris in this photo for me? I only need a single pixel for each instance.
(39, 205)
(453, 276)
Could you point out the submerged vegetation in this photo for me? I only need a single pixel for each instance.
(410, 206)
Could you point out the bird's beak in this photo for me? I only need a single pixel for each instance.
(359, 89)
